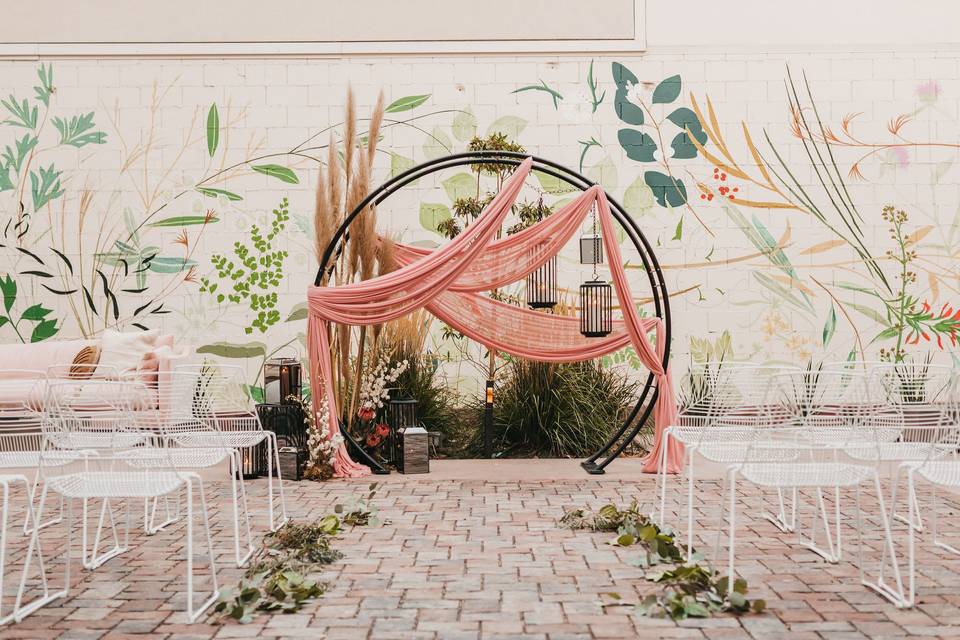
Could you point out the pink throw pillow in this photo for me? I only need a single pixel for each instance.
(149, 368)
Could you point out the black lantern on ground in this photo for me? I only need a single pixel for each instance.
(596, 309)
(281, 378)
(542, 286)
(401, 413)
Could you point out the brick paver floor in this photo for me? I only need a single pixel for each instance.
(486, 559)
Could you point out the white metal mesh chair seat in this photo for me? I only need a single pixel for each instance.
(176, 457)
(811, 474)
(944, 473)
(892, 451)
(220, 439)
(112, 484)
(97, 440)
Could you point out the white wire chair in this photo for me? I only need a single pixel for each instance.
(222, 403)
(21, 441)
(915, 393)
(940, 468)
(101, 411)
(809, 454)
(178, 423)
(729, 403)
(21, 437)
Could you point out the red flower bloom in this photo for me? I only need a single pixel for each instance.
(373, 440)
(366, 413)
(382, 430)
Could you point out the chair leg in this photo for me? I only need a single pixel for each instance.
(690, 482)
(896, 594)
(239, 499)
(914, 519)
(935, 524)
(194, 613)
(273, 456)
(732, 523)
(21, 611)
(662, 476)
(96, 559)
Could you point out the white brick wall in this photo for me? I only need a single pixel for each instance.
(286, 101)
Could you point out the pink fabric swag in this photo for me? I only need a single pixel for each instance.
(449, 281)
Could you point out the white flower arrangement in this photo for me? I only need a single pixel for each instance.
(374, 385)
(321, 446)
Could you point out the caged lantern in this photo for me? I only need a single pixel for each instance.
(542, 286)
(596, 309)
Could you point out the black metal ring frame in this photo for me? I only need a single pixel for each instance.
(615, 445)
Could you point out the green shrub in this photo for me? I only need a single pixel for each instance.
(560, 410)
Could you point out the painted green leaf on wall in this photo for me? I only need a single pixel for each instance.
(464, 125)
(6, 184)
(406, 103)
(638, 198)
(678, 232)
(461, 185)
(667, 91)
(23, 114)
(161, 264)
(433, 214)
(210, 192)
(183, 221)
(639, 146)
(234, 350)
(14, 158)
(511, 126)
(44, 330)
(8, 286)
(552, 184)
(830, 326)
(45, 186)
(280, 172)
(626, 110)
(35, 312)
(686, 120)
(45, 89)
(76, 132)
(399, 164)
(604, 173)
(213, 129)
(437, 145)
(299, 312)
(669, 192)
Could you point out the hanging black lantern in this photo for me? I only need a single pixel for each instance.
(591, 249)
(596, 309)
(542, 286)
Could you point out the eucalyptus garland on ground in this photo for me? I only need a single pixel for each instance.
(279, 576)
(688, 590)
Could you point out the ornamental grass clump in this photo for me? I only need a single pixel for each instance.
(561, 410)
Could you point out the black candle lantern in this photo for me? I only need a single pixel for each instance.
(401, 413)
(542, 286)
(281, 378)
(596, 309)
(591, 249)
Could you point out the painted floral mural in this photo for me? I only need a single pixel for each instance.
(179, 204)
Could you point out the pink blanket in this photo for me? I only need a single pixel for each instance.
(448, 282)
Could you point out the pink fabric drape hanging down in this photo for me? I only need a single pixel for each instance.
(448, 282)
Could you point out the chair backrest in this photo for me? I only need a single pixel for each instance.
(917, 392)
(222, 388)
(89, 414)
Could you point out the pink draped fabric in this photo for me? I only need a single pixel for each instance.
(448, 282)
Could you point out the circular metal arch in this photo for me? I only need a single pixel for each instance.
(661, 301)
